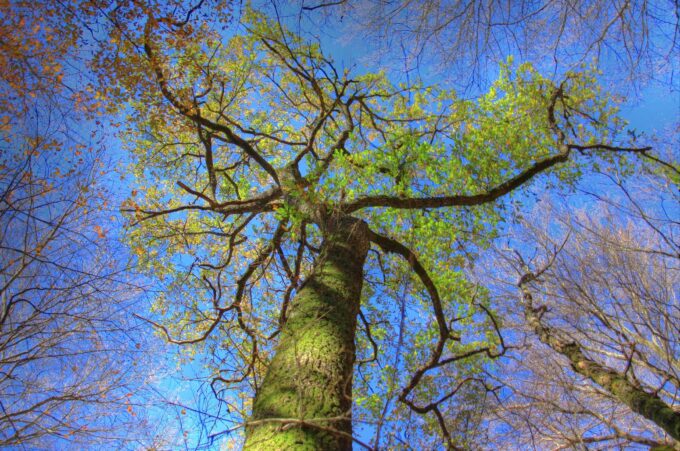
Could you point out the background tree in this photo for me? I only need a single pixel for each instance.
(66, 348)
(597, 348)
(266, 175)
(633, 42)
(72, 361)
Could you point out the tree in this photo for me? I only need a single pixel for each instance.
(65, 367)
(633, 42)
(599, 305)
(70, 356)
(266, 177)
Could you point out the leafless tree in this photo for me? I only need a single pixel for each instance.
(68, 369)
(597, 325)
(463, 40)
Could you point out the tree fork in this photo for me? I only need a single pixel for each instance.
(305, 400)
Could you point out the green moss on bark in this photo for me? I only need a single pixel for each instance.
(647, 404)
(310, 377)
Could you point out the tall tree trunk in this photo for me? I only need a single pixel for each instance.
(305, 400)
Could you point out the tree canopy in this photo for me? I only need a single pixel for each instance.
(251, 153)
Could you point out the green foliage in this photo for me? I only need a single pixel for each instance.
(351, 138)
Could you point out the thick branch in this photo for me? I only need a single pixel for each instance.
(258, 204)
(499, 190)
(389, 245)
(491, 195)
(192, 112)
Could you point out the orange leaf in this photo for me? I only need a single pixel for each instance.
(100, 231)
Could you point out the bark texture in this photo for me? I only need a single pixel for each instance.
(630, 393)
(305, 400)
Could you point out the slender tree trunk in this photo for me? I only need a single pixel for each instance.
(305, 400)
(630, 393)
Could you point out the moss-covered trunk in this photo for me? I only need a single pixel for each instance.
(305, 400)
(640, 401)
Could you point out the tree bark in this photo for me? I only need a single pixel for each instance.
(305, 400)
